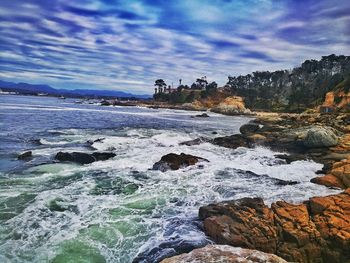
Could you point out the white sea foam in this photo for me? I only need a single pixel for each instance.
(132, 223)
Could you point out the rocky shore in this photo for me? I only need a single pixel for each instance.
(317, 230)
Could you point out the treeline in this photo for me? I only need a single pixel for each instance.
(282, 90)
(184, 93)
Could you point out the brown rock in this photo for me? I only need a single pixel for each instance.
(339, 176)
(233, 141)
(316, 231)
(224, 254)
(328, 180)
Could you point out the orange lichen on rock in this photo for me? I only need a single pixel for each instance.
(339, 176)
(317, 230)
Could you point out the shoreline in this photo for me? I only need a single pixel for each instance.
(305, 232)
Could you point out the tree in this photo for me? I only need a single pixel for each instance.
(211, 88)
(202, 82)
(160, 84)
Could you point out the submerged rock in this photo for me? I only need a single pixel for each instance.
(317, 230)
(225, 254)
(194, 142)
(174, 241)
(174, 161)
(320, 137)
(203, 115)
(83, 158)
(25, 155)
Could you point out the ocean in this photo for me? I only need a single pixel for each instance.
(118, 209)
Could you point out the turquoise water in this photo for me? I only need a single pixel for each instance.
(115, 210)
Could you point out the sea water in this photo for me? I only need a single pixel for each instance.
(115, 210)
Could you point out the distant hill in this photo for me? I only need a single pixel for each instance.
(34, 89)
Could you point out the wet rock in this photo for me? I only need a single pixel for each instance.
(194, 142)
(83, 158)
(175, 241)
(320, 137)
(97, 140)
(289, 158)
(317, 230)
(249, 128)
(102, 156)
(233, 141)
(105, 103)
(25, 155)
(227, 254)
(174, 161)
(203, 115)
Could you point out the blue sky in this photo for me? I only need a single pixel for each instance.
(126, 45)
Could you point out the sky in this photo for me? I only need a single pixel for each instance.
(127, 45)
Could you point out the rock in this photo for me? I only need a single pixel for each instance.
(105, 103)
(231, 106)
(328, 180)
(233, 141)
(25, 155)
(317, 230)
(83, 158)
(174, 161)
(224, 254)
(102, 156)
(257, 138)
(97, 140)
(249, 128)
(203, 115)
(320, 137)
(194, 142)
(338, 176)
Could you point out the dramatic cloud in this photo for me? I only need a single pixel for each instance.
(126, 45)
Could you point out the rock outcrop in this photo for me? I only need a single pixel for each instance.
(224, 254)
(231, 106)
(83, 158)
(339, 175)
(317, 230)
(174, 161)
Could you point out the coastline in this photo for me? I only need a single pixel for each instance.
(317, 230)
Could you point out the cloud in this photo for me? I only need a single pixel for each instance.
(126, 45)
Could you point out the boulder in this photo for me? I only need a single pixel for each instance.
(319, 137)
(83, 158)
(25, 155)
(249, 128)
(317, 230)
(225, 254)
(174, 161)
(233, 141)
